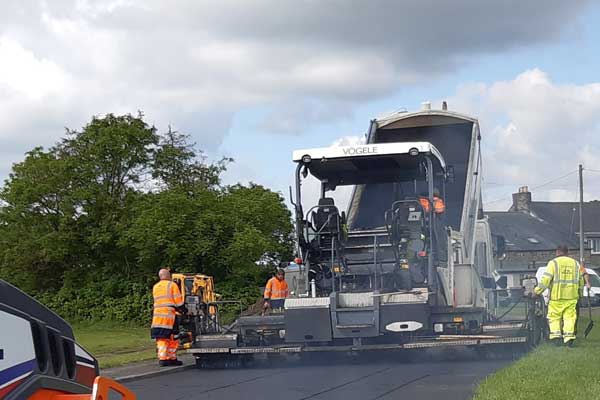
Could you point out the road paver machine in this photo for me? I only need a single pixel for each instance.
(408, 264)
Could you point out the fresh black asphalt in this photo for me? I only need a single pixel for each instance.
(422, 376)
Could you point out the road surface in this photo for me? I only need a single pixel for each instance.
(364, 377)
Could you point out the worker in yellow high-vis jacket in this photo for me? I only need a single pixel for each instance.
(564, 281)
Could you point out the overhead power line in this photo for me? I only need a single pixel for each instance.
(541, 185)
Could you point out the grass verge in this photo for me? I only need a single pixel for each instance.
(113, 344)
(551, 373)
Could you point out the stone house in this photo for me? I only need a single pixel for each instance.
(532, 230)
(564, 217)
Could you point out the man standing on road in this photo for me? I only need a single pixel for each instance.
(564, 280)
(276, 291)
(167, 298)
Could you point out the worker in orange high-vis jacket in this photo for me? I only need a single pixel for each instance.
(438, 203)
(276, 291)
(167, 299)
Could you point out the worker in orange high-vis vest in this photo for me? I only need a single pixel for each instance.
(276, 291)
(167, 299)
(438, 203)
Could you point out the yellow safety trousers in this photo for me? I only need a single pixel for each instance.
(562, 316)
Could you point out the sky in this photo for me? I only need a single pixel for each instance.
(255, 80)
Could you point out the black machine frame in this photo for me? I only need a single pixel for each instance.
(302, 220)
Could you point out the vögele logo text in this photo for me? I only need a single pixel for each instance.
(360, 150)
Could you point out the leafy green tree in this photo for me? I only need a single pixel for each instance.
(109, 161)
(223, 234)
(178, 165)
(262, 230)
(109, 157)
(87, 223)
(38, 218)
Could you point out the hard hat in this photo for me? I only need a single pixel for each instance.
(298, 260)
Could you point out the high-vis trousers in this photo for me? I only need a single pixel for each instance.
(565, 312)
(167, 348)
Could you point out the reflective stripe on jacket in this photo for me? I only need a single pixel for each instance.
(563, 277)
(276, 289)
(166, 298)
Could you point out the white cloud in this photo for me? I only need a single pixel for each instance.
(535, 130)
(24, 75)
(349, 141)
(196, 64)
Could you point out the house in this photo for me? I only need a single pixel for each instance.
(533, 230)
(564, 217)
(529, 243)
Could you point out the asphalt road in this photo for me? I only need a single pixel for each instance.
(366, 377)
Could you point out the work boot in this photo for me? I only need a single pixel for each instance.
(570, 344)
(164, 363)
(557, 342)
(175, 363)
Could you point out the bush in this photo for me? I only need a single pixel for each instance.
(126, 303)
(89, 304)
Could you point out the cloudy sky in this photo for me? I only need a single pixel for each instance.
(254, 80)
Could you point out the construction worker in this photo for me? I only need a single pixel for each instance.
(276, 291)
(167, 299)
(564, 280)
(438, 204)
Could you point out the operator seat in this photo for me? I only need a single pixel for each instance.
(326, 222)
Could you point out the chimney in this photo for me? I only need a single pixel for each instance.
(521, 200)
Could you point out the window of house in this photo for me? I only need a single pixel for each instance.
(594, 244)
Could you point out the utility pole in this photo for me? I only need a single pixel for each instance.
(581, 214)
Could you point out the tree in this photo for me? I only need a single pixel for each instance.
(110, 156)
(38, 221)
(178, 165)
(218, 233)
(260, 212)
(87, 223)
(109, 160)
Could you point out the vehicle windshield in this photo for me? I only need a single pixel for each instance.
(595, 280)
(189, 284)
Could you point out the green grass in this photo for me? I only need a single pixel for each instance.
(113, 344)
(551, 373)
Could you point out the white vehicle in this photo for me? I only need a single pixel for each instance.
(594, 280)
